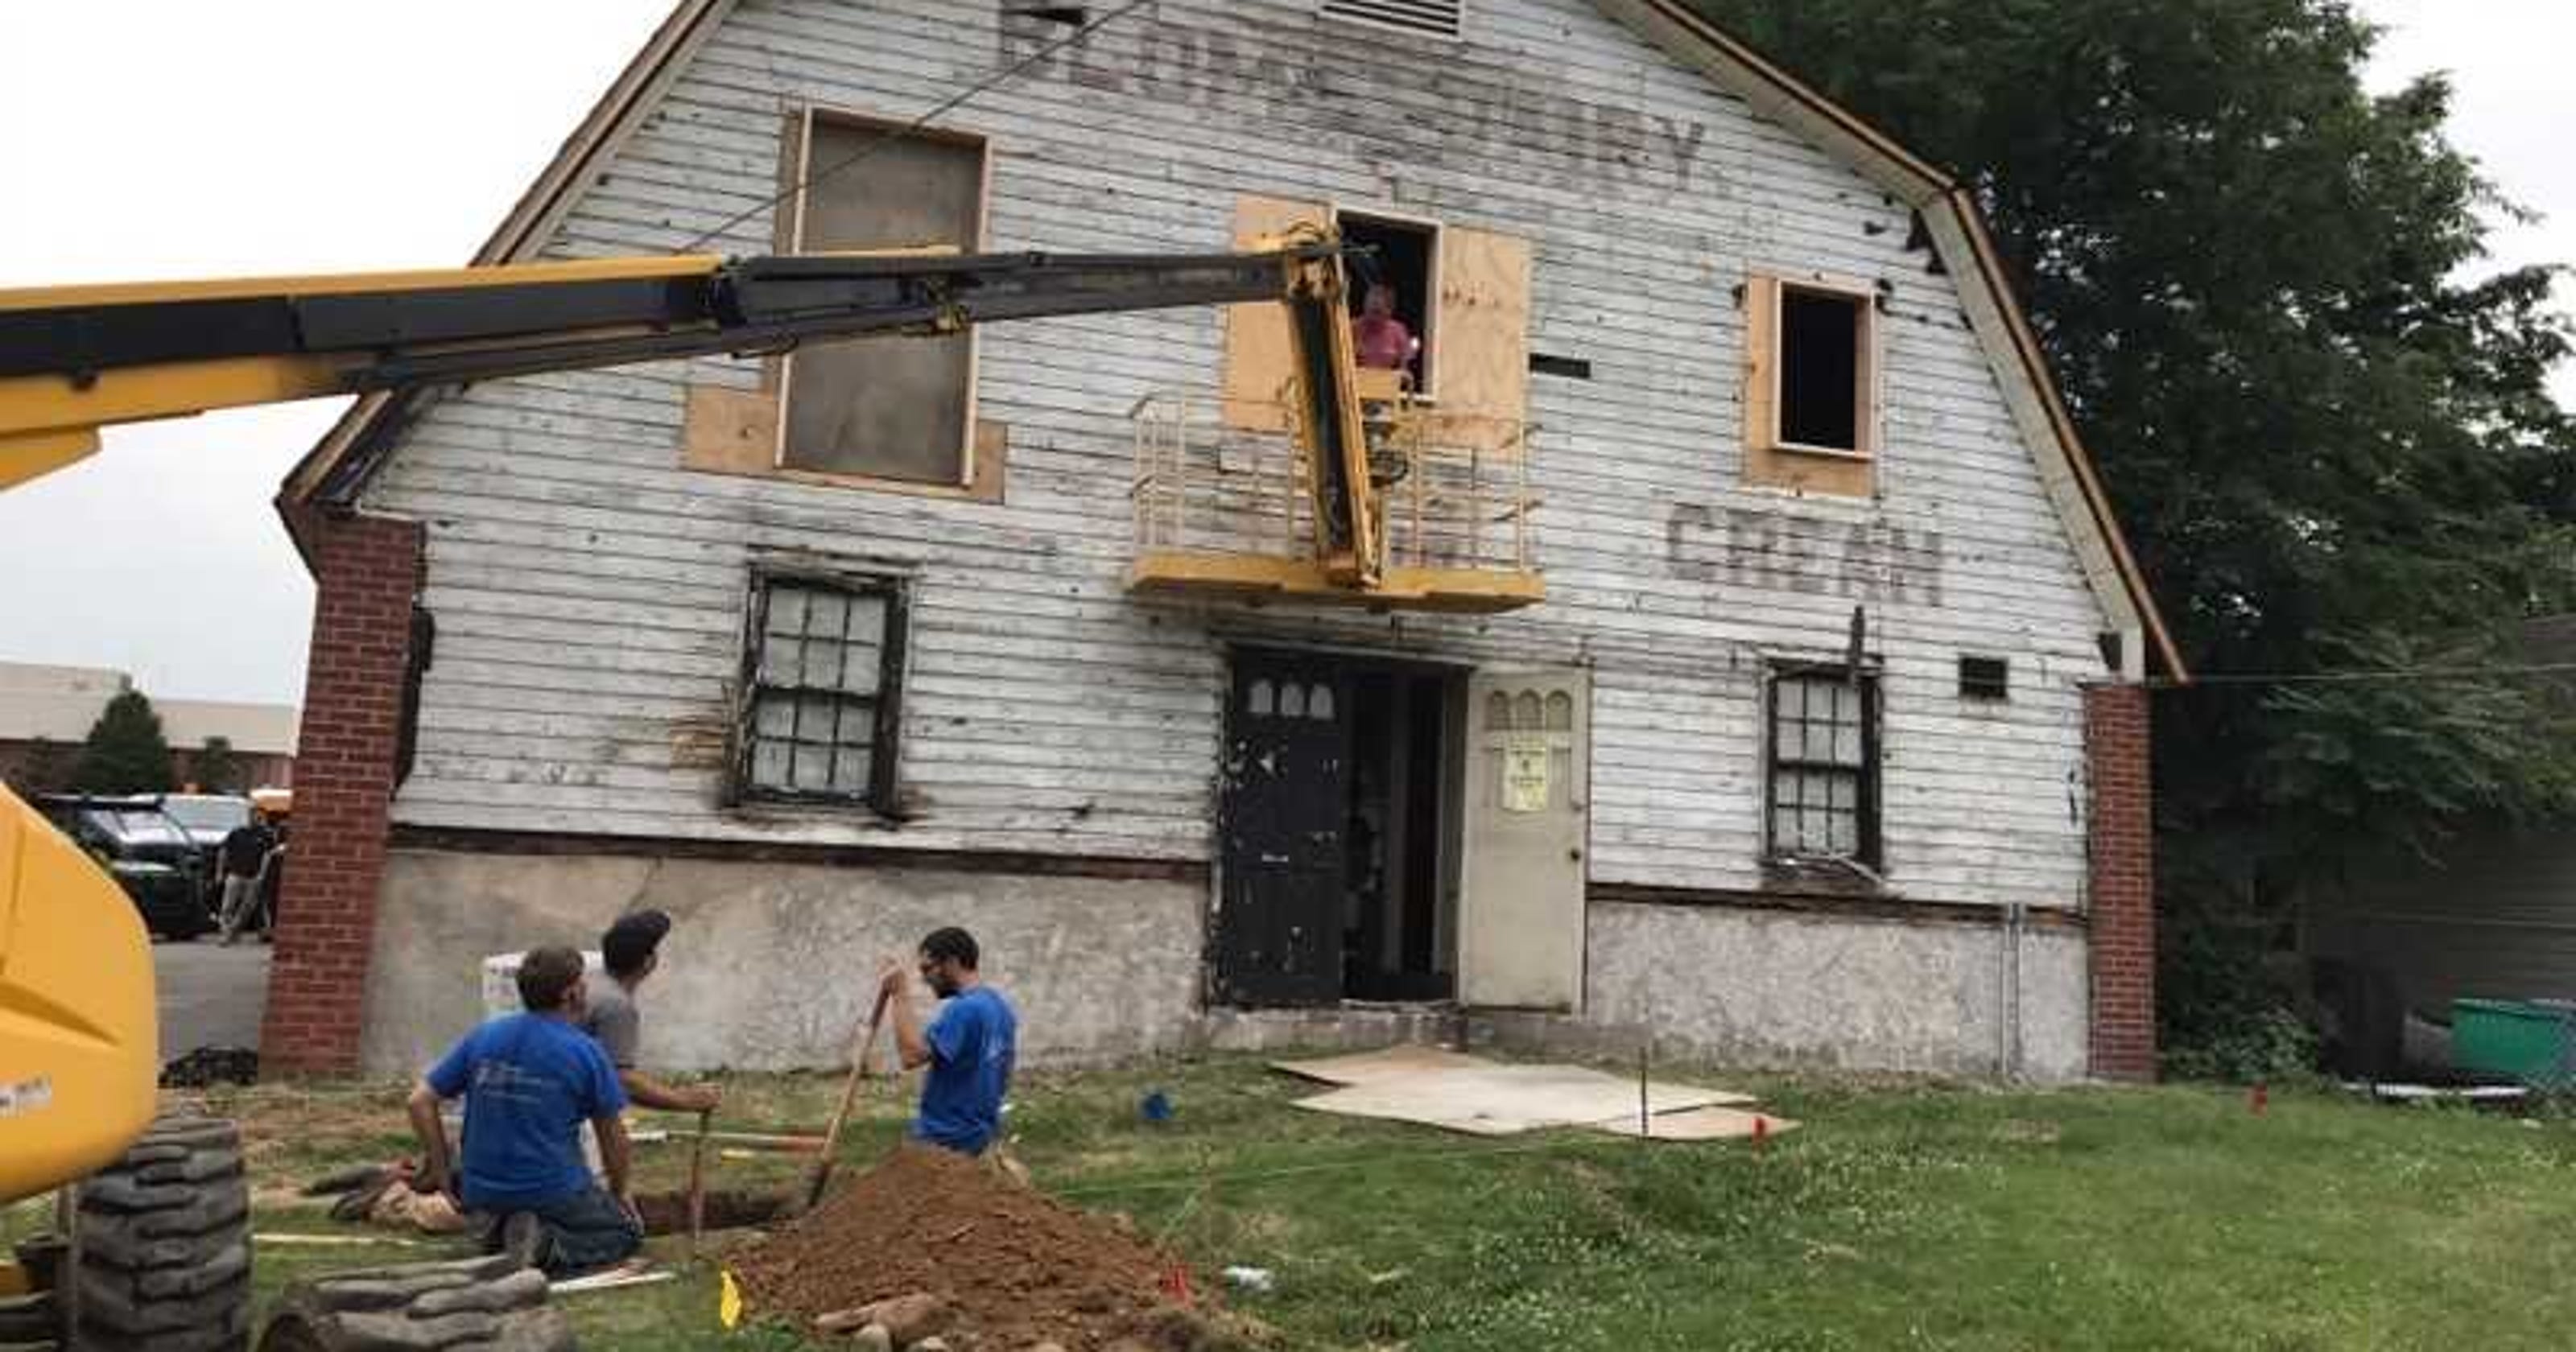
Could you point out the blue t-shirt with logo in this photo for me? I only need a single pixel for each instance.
(529, 1083)
(972, 1044)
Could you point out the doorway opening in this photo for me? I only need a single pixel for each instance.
(1340, 831)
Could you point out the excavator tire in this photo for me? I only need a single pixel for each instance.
(483, 1304)
(29, 1321)
(164, 1246)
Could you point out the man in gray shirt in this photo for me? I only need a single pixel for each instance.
(631, 949)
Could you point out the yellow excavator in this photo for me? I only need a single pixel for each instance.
(159, 1254)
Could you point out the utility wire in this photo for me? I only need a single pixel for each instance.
(2425, 675)
(913, 127)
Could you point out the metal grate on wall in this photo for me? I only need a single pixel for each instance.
(1439, 18)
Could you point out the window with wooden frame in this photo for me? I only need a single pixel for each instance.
(1464, 294)
(894, 408)
(823, 683)
(1822, 799)
(1811, 382)
(1403, 257)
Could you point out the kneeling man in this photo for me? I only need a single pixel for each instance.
(529, 1081)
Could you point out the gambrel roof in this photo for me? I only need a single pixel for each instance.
(339, 465)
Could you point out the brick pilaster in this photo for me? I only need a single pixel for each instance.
(367, 571)
(2123, 896)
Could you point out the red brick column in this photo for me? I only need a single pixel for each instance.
(367, 571)
(2123, 896)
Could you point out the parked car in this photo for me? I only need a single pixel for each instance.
(147, 850)
(208, 818)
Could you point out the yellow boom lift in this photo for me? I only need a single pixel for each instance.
(79, 1051)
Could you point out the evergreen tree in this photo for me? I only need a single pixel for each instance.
(125, 752)
(218, 770)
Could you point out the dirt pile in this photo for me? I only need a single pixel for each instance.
(1016, 1268)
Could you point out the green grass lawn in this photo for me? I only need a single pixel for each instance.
(1903, 1215)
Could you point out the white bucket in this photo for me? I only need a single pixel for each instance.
(501, 980)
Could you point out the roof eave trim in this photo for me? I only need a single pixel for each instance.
(338, 465)
(2024, 341)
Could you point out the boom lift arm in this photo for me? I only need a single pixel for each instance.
(79, 1051)
(73, 360)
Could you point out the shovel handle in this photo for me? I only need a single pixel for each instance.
(849, 1094)
(698, 1186)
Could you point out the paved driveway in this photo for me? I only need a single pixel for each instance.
(210, 996)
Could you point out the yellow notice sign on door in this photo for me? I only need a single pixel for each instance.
(1527, 762)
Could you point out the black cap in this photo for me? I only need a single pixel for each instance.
(631, 938)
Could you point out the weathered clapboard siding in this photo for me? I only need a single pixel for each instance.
(2494, 917)
(589, 593)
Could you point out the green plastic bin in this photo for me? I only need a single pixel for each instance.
(2533, 1043)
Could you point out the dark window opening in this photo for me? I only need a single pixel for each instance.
(1824, 789)
(1822, 376)
(1985, 678)
(1401, 260)
(824, 671)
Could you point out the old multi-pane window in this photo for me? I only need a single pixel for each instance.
(895, 407)
(825, 674)
(1824, 764)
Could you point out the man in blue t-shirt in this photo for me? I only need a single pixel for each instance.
(529, 1081)
(969, 1048)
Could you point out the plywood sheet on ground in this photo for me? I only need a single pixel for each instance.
(1372, 1067)
(1502, 1100)
(1702, 1124)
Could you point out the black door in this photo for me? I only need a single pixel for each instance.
(1287, 790)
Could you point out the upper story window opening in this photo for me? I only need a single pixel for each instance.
(893, 408)
(1824, 370)
(1395, 329)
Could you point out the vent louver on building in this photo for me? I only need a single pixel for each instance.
(1440, 18)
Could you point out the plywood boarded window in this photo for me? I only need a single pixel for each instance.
(1811, 386)
(894, 408)
(1824, 773)
(1464, 293)
(824, 670)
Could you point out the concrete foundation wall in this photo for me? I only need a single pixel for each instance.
(1746, 989)
(770, 966)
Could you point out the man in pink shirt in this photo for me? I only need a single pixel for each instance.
(1385, 344)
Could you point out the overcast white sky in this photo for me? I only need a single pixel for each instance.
(180, 138)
